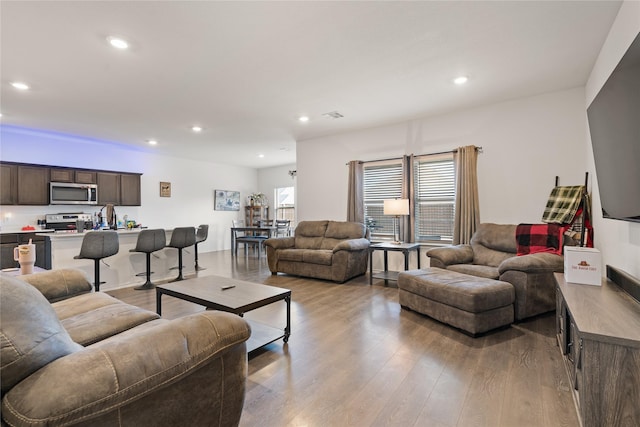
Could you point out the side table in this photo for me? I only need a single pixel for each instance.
(387, 275)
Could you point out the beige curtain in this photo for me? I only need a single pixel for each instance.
(407, 223)
(355, 197)
(467, 217)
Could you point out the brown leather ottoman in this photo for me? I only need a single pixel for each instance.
(473, 304)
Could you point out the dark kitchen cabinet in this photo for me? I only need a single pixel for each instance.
(33, 185)
(73, 175)
(85, 177)
(9, 241)
(62, 175)
(8, 184)
(27, 184)
(129, 189)
(108, 188)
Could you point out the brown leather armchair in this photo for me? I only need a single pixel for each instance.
(88, 359)
(492, 254)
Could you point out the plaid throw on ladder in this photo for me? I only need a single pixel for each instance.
(563, 204)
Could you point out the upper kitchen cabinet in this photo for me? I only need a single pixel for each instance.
(61, 175)
(120, 189)
(8, 184)
(108, 188)
(129, 189)
(85, 177)
(33, 185)
(28, 184)
(73, 175)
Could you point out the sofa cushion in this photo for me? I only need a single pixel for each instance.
(309, 234)
(476, 270)
(60, 284)
(90, 318)
(31, 336)
(337, 231)
(311, 256)
(318, 256)
(493, 243)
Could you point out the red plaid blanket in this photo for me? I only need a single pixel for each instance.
(534, 238)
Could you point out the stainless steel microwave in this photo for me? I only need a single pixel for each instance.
(64, 193)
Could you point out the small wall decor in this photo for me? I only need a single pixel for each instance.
(227, 200)
(165, 189)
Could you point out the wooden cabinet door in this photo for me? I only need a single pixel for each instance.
(33, 185)
(108, 188)
(85, 177)
(8, 184)
(62, 175)
(129, 189)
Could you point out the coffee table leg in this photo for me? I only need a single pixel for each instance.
(158, 302)
(287, 329)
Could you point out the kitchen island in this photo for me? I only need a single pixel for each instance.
(119, 270)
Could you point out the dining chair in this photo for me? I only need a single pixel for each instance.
(283, 227)
(245, 238)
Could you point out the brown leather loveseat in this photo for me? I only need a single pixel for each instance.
(71, 356)
(330, 250)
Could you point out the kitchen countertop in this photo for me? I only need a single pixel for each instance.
(67, 234)
(26, 231)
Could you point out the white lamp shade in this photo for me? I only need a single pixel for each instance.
(396, 207)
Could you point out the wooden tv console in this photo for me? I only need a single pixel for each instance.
(598, 330)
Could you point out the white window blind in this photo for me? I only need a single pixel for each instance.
(434, 187)
(382, 180)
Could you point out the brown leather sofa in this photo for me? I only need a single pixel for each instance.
(330, 250)
(71, 356)
(492, 254)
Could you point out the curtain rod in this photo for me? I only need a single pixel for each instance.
(455, 150)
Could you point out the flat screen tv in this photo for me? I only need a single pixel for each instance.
(614, 123)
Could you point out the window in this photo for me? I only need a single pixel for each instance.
(382, 180)
(435, 192)
(285, 203)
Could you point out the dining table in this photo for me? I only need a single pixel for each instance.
(263, 231)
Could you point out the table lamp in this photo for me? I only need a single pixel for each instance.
(396, 207)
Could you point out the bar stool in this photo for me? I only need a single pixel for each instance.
(201, 235)
(149, 241)
(97, 245)
(181, 238)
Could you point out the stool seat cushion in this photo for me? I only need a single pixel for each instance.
(468, 293)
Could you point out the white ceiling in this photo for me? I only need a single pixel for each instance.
(245, 71)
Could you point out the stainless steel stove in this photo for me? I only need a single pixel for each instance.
(67, 221)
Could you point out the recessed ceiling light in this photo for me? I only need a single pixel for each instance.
(152, 141)
(461, 80)
(20, 85)
(196, 128)
(303, 119)
(118, 43)
(261, 155)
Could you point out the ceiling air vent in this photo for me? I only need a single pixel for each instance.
(332, 115)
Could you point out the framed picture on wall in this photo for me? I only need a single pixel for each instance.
(227, 200)
(165, 189)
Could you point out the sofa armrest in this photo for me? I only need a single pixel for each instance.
(57, 285)
(534, 263)
(352, 245)
(459, 254)
(280, 242)
(111, 374)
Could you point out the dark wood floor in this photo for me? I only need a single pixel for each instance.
(356, 358)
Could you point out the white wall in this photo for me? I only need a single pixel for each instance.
(618, 241)
(526, 143)
(192, 182)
